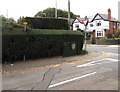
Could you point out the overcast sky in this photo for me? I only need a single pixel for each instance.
(17, 8)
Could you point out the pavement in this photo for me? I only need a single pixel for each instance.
(50, 62)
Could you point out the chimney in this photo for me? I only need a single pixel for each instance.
(78, 16)
(109, 13)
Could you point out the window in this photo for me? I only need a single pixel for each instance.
(91, 25)
(77, 26)
(99, 23)
(100, 33)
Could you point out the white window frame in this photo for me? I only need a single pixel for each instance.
(77, 26)
(101, 32)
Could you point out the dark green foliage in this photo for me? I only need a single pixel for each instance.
(20, 31)
(50, 12)
(84, 52)
(17, 44)
(117, 34)
(7, 23)
(47, 23)
(93, 40)
(109, 35)
(21, 20)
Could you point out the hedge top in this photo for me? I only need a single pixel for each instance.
(42, 32)
(45, 18)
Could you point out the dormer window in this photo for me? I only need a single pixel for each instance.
(99, 23)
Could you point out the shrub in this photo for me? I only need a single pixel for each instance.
(36, 44)
(109, 35)
(47, 23)
(117, 34)
(7, 23)
(93, 40)
(103, 38)
(84, 52)
(18, 26)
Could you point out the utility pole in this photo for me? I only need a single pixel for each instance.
(69, 23)
(56, 9)
(119, 10)
(7, 13)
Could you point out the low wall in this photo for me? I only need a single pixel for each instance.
(108, 41)
(88, 41)
(105, 41)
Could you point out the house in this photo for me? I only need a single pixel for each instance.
(78, 24)
(101, 25)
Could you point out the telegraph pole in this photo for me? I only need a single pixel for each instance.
(119, 10)
(69, 14)
(56, 9)
(7, 13)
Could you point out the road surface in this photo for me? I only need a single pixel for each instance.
(96, 74)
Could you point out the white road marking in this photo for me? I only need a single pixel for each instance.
(112, 59)
(114, 53)
(73, 79)
(108, 60)
(113, 46)
(90, 63)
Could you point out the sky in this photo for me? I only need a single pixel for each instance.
(17, 8)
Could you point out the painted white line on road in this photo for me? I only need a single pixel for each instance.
(114, 53)
(90, 63)
(73, 79)
(112, 59)
(108, 60)
(113, 46)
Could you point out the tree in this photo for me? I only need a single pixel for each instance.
(40, 14)
(7, 23)
(50, 12)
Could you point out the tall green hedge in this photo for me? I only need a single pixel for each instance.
(47, 23)
(17, 45)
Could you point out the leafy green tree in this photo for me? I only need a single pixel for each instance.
(7, 23)
(50, 12)
(40, 14)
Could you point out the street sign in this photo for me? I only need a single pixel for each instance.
(85, 22)
(25, 23)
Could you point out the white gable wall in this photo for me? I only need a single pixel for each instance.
(104, 25)
(81, 26)
(101, 28)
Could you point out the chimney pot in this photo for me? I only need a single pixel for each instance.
(78, 16)
(109, 13)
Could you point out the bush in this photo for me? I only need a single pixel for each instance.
(84, 52)
(36, 44)
(117, 34)
(87, 38)
(103, 38)
(18, 26)
(7, 23)
(110, 35)
(93, 40)
(47, 23)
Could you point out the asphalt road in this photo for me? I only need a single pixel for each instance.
(98, 74)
